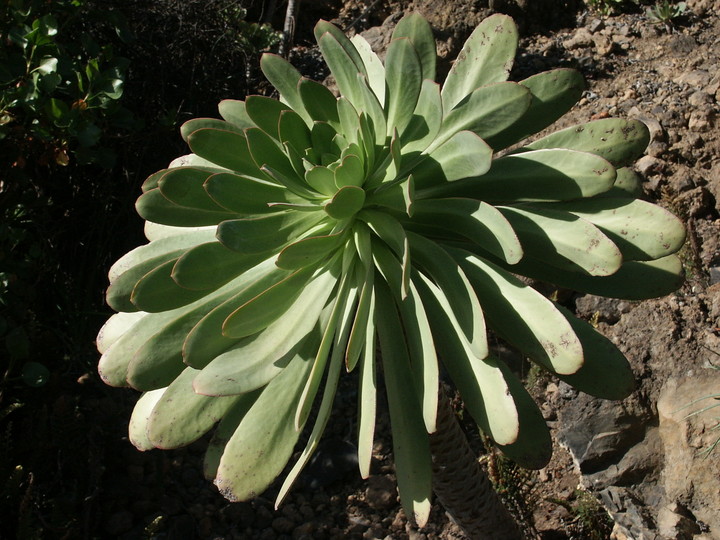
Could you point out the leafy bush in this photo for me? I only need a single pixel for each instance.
(301, 232)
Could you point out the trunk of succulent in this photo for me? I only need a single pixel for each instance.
(462, 486)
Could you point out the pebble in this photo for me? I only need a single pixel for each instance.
(381, 492)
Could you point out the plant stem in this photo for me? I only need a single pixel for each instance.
(462, 486)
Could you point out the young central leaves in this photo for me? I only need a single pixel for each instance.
(384, 230)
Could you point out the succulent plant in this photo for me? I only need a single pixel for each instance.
(382, 231)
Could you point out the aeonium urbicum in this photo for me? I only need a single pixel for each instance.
(302, 232)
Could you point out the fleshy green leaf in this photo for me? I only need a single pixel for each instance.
(485, 225)
(486, 58)
(233, 112)
(486, 111)
(524, 317)
(263, 442)
(181, 416)
(404, 75)
(137, 429)
(261, 234)
(418, 31)
(464, 155)
(642, 231)
(564, 240)
(554, 93)
(228, 149)
(244, 195)
(283, 76)
(619, 141)
(411, 446)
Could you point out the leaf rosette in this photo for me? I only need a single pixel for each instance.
(383, 230)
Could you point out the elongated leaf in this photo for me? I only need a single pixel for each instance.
(211, 265)
(157, 291)
(265, 113)
(461, 298)
(334, 336)
(373, 65)
(423, 358)
(404, 75)
(206, 340)
(564, 240)
(533, 447)
(542, 175)
(115, 327)
(319, 102)
(641, 230)
(411, 447)
(367, 403)
(233, 111)
(294, 132)
(619, 141)
(266, 307)
(227, 149)
(426, 119)
(181, 416)
(133, 266)
(472, 219)
(486, 112)
(416, 28)
(369, 104)
(264, 440)
(155, 207)
(244, 195)
(310, 250)
(225, 428)
(342, 66)
(554, 93)
(464, 155)
(265, 233)
(350, 52)
(323, 415)
(193, 125)
(137, 429)
(635, 280)
(479, 380)
(283, 76)
(159, 360)
(486, 58)
(524, 317)
(184, 187)
(254, 361)
(606, 372)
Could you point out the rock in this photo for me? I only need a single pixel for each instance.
(672, 524)
(688, 476)
(603, 45)
(697, 78)
(283, 525)
(700, 98)
(695, 203)
(333, 460)
(381, 492)
(580, 40)
(701, 121)
(648, 165)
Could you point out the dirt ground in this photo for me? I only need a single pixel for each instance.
(665, 75)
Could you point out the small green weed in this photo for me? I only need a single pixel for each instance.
(665, 13)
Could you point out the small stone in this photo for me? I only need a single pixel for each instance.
(582, 39)
(700, 99)
(700, 121)
(698, 78)
(603, 45)
(381, 492)
(648, 165)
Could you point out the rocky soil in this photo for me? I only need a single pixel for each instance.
(638, 469)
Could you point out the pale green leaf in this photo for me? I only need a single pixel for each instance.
(486, 58)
